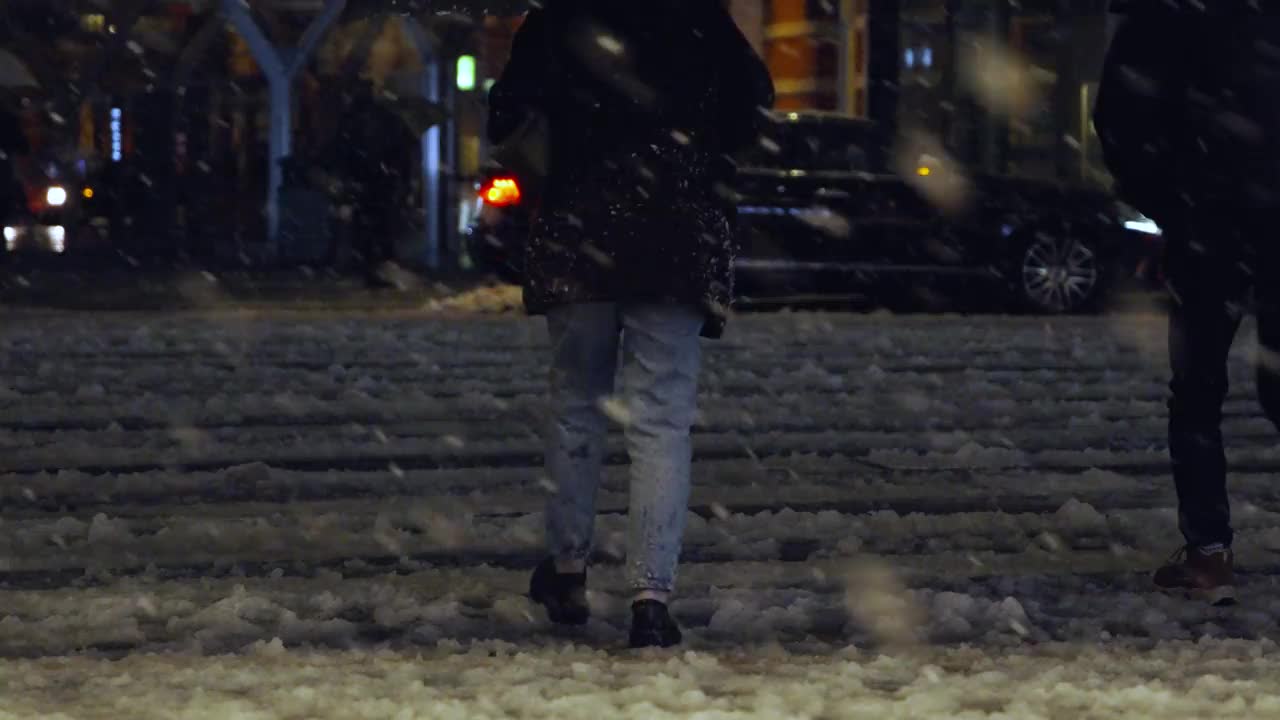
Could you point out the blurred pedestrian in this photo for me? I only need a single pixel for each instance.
(1189, 117)
(374, 154)
(631, 250)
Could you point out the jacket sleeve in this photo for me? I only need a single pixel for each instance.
(523, 85)
(1138, 116)
(746, 88)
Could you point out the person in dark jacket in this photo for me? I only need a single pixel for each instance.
(631, 250)
(1189, 117)
(374, 154)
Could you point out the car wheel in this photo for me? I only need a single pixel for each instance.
(1059, 274)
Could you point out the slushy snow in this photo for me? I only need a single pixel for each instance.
(327, 515)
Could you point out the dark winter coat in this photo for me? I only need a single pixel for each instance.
(373, 154)
(1193, 7)
(1189, 114)
(644, 101)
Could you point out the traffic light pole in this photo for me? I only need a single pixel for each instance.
(281, 67)
(433, 161)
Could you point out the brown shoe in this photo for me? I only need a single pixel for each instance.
(1208, 576)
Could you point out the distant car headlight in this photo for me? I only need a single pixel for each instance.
(10, 238)
(58, 239)
(1135, 221)
(1144, 225)
(56, 196)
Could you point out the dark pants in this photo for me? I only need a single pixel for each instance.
(1213, 267)
(375, 228)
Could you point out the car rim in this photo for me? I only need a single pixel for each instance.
(1059, 274)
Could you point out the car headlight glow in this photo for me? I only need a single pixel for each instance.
(10, 238)
(58, 239)
(1145, 226)
(1134, 221)
(56, 196)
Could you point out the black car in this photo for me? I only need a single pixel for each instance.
(61, 211)
(827, 211)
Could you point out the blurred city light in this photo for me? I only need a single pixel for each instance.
(58, 239)
(117, 135)
(467, 73)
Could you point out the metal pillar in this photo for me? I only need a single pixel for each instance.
(432, 157)
(281, 67)
(451, 166)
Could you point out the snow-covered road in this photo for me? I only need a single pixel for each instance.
(324, 515)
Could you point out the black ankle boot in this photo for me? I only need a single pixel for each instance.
(652, 625)
(563, 595)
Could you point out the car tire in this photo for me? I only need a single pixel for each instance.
(1059, 273)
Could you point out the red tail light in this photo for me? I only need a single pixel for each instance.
(501, 192)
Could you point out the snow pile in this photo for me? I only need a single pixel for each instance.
(496, 299)
(499, 680)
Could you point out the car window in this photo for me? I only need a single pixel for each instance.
(811, 147)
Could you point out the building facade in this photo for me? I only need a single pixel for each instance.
(1007, 87)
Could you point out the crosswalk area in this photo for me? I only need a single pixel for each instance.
(325, 514)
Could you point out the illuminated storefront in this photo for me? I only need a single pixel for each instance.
(903, 63)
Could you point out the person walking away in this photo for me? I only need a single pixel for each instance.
(1189, 117)
(374, 156)
(631, 250)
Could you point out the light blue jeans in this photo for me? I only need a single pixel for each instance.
(656, 404)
